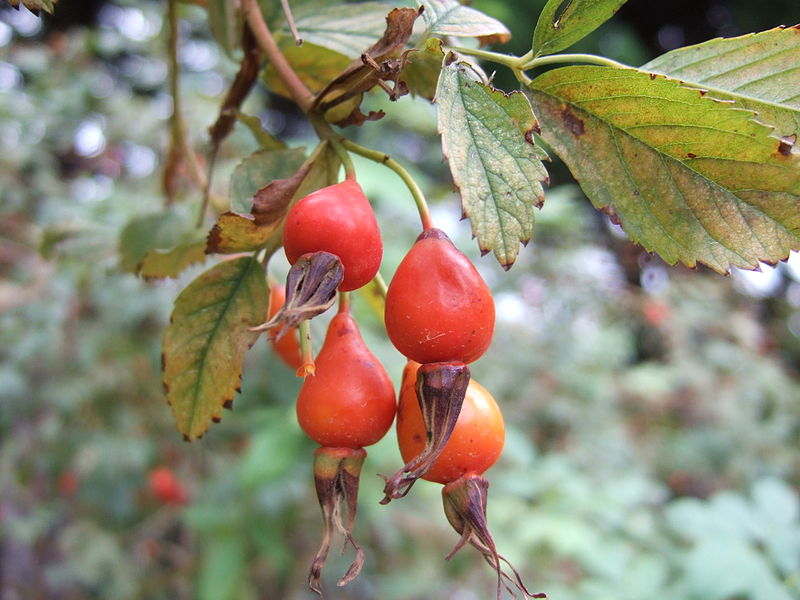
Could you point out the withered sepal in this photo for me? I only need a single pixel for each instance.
(440, 389)
(465, 507)
(336, 475)
(311, 286)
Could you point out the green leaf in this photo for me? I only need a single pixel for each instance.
(257, 170)
(341, 27)
(225, 22)
(564, 22)
(758, 71)
(157, 231)
(222, 571)
(264, 138)
(158, 264)
(316, 66)
(689, 177)
(450, 17)
(35, 6)
(206, 339)
(487, 137)
(421, 72)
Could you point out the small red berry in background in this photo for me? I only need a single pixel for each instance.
(655, 312)
(68, 483)
(166, 487)
(337, 219)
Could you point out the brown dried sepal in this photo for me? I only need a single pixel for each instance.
(336, 474)
(374, 66)
(465, 507)
(310, 290)
(440, 388)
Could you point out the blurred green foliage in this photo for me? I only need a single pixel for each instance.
(653, 412)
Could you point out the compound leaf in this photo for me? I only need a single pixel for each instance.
(689, 177)
(564, 22)
(206, 339)
(757, 71)
(487, 137)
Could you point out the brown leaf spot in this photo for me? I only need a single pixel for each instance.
(228, 404)
(652, 76)
(786, 144)
(216, 419)
(450, 59)
(573, 124)
(611, 213)
(529, 136)
(691, 155)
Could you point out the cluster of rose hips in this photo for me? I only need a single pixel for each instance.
(440, 315)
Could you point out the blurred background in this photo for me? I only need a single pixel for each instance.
(653, 412)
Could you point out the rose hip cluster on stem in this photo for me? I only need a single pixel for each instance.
(439, 313)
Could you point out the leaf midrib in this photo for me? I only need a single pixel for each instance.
(206, 348)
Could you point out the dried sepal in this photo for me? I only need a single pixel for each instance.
(440, 389)
(310, 290)
(465, 507)
(336, 474)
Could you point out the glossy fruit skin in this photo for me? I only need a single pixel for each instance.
(337, 219)
(166, 487)
(438, 308)
(285, 343)
(349, 402)
(477, 439)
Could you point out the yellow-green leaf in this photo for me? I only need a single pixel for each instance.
(158, 264)
(487, 137)
(758, 71)
(206, 339)
(316, 66)
(689, 177)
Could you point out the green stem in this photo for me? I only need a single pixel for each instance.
(380, 285)
(344, 302)
(384, 159)
(344, 156)
(589, 59)
(508, 60)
